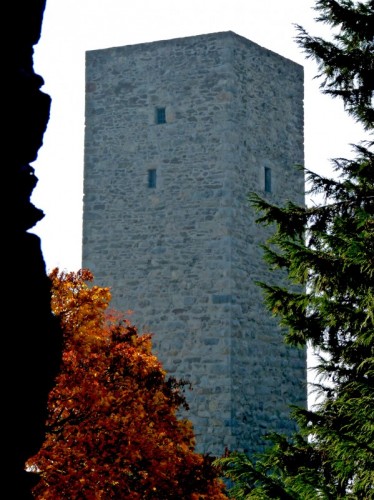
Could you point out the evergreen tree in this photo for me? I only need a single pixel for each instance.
(328, 249)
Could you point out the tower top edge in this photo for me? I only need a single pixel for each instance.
(154, 45)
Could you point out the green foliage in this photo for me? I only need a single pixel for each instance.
(346, 63)
(327, 252)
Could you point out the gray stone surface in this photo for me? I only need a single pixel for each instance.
(184, 256)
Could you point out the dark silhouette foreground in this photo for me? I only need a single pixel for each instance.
(31, 338)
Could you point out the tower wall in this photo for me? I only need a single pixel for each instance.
(184, 254)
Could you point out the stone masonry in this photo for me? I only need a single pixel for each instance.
(178, 133)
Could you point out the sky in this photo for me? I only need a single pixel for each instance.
(71, 27)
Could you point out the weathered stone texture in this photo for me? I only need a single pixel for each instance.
(185, 255)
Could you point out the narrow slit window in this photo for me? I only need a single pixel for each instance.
(152, 178)
(267, 177)
(160, 115)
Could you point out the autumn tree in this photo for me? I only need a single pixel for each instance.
(327, 250)
(113, 426)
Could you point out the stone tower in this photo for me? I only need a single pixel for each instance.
(178, 132)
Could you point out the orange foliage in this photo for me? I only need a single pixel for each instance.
(113, 432)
